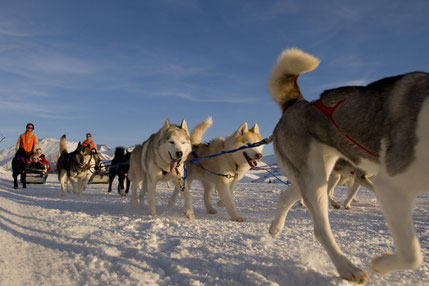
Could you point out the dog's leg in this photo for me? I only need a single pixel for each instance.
(208, 189)
(85, 181)
(189, 210)
(397, 208)
(352, 191)
(315, 197)
(62, 178)
(73, 184)
(111, 178)
(149, 186)
(134, 189)
(233, 187)
(286, 200)
(15, 181)
(128, 185)
(68, 185)
(173, 198)
(225, 195)
(332, 183)
(24, 180)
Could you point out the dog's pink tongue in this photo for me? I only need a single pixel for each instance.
(173, 165)
(253, 163)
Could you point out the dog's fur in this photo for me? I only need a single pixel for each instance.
(74, 165)
(345, 173)
(160, 158)
(352, 177)
(388, 117)
(18, 168)
(235, 164)
(120, 166)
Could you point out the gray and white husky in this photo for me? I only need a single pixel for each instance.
(352, 177)
(212, 172)
(381, 128)
(74, 165)
(345, 173)
(160, 158)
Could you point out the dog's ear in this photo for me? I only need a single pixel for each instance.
(242, 129)
(166, 126)
(255, 128)
(184, 126)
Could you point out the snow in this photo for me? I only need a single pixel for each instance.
(98, 239)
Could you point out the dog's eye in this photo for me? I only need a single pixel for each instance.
(183, 143)
(171, 142)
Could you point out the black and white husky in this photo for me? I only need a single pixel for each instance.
(74, 165)
(381, 128)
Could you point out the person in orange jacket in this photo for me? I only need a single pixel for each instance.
(91, 144)
(28, 140)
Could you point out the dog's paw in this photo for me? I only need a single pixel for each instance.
(211, 211)
(237, 219)
(275, 230)
(348, 207)
(349, 272)
(387, 263)
(383, 264)
(357, 276)
(335, 205)
(190, 215)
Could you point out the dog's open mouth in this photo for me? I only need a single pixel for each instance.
(174, 164)
(252, 162)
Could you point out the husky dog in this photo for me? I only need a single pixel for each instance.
(161, 158)
(74, 165)
(381, 128)
(234, 165)
(120, 166)
(345, 173)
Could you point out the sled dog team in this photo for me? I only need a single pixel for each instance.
(380, 129)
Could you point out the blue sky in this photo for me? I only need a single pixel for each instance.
(117, 69)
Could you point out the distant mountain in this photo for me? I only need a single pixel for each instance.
(51, 149)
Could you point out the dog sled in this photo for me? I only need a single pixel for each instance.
(36, 176)
(99, 178)
(101, 175)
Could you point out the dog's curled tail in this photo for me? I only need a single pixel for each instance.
(283, 80)
(63, 146)
(199, 130)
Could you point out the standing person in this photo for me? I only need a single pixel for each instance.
(28, 140)
(91, 144)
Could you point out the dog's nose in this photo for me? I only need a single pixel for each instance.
(258, 156)
(179, 154)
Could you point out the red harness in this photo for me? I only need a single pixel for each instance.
(328, 111)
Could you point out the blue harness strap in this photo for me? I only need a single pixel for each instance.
(197, 160)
